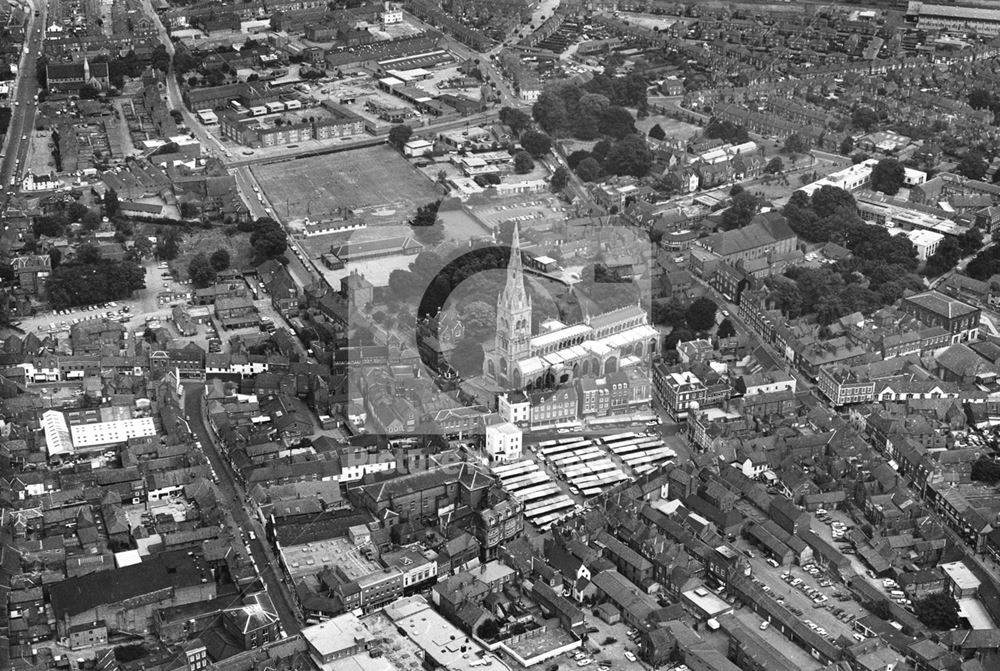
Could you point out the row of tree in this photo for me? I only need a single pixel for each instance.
(880, 269)
(572, 110)
(628, 156)
(87, 279)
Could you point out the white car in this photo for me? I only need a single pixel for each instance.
(630, 656)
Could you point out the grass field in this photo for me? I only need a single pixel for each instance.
(207, 241)
(677, 130)
(375, 182)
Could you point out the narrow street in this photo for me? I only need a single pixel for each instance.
(233, 494)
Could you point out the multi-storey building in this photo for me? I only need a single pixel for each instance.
(678, 393)
(960, 319)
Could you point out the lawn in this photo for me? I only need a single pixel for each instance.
(676, 130)
(374, 182)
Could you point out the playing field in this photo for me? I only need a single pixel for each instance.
(375, 182)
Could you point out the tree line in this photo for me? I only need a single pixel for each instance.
(87, 278)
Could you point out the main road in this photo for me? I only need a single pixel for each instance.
(22, 122)
(233, 496)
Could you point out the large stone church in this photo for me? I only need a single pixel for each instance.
(599, 345)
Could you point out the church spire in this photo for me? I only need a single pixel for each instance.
(514, 292)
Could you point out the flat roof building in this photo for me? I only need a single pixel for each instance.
(342, 636)
(444, 645)
(111, 433)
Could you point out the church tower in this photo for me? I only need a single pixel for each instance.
(86, 70)
(512, 341)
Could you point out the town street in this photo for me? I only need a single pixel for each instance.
(22, 121)
(232, 493)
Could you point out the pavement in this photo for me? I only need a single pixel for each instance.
(23, 108)
(235, 496)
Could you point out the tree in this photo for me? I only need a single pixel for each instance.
(576, 157)
(970, 241)
(401, 283)
(467, 358)
(629, 156)
(726, 329)
(535, 143)
(980, 98)
(888, 176)
(847, 145)
(880, 609)
(515, 119)
(168, 244)
(89, 279)
(190, 210)
(51, 225)
(670, 184)
(400, 135)
(479, 319)
(986, 470)
(426, 215)
(429, 236)
(76, 211)
(726, 131)
(775, 166)
(829, 200)
(160, 59)
(219, 259)
(616, 122)
(700, 315)
(142, 246)
(947, 255)
(657, 132)
(795, 144)
(973, 165)
(589, 170)
(268, 239)
(864, 118)
(488, 630)
(201, 272)
(743, 209)
(111, 203)
(937, 611)
(550, 112)
(523, 163)
(560, 178)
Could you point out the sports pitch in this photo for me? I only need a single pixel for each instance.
(375, 182)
